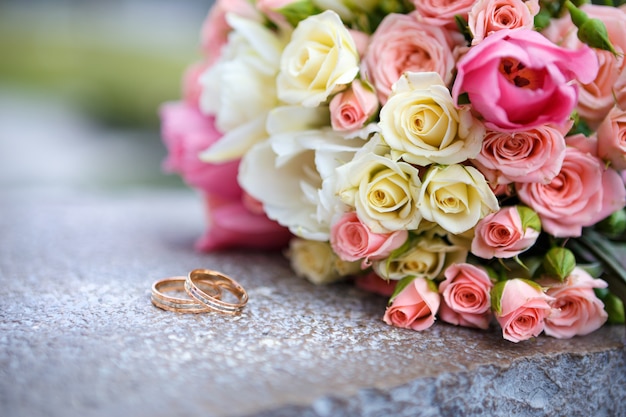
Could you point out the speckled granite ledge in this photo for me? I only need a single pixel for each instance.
(79, 337)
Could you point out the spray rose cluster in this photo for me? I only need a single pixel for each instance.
(423, 149)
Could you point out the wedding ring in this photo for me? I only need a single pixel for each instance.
(181, 305)
(221, 280)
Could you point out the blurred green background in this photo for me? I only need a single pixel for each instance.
(114, 60)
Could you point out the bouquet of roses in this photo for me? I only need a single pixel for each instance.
(464, 158)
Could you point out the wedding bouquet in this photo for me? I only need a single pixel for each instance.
(465, 158)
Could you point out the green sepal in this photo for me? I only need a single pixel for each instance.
(613, 305)
(529, 218)
(559, 263)
(590, 31)
(463, 27)
(402, 284)
(298, 11)
(496, 297)
(542, 19)
(432, 285)
(614, 225)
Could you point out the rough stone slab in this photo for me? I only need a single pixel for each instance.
(79, 336)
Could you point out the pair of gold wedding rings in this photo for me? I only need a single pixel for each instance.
(205, 288)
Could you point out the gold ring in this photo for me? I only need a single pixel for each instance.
(181, 305)
(221, 280)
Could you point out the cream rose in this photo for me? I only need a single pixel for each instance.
(422, 126)
(383, 191)
(320, 59)
(240, 88)
(317, 262)
(428, 257)
(456, 197)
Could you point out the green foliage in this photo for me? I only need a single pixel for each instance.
(559, 263)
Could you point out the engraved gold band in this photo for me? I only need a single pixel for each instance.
(181, 305)
(224, 282)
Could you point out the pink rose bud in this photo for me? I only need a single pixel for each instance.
(371, 282)
(466, 298)
(503, 234)
(517, 79)
(576, 310)
(521, 308)
(352, 108)
(415, 306)
(353, 240)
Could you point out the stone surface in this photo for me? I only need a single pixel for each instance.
(79, 336)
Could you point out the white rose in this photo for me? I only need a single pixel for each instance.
(320, 59)
(422, 125)
(427, 257)
(317, 262)
(285, 173)
(384, 192)
(240, 89)
(455, 197)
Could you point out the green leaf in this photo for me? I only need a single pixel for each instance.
(559, 262)
(542, 19)
(298, 11)
(614, 308)
(529, 218)
(402, 284)
(496, 297)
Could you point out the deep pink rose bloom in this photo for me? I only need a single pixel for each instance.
(524, 310)
(415, 307)
(583, 193)
(352, 240)
(534, 155)
(517, 79)
(352, 108)
(501, 235)
(186, 132)
(466, 299)
(402, 44)
(371, 282)
(234, 225)
(576, 310)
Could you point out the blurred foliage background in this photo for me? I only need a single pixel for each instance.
(116, 61)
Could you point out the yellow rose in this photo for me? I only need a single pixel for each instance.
(422, 125)
(316, 261)
(320, 59)
(455, 197)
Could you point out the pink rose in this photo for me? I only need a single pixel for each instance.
(415, 307)
(186, 132)
(466, 299)
(597, 95)
(271, 8)
(371, 282)
(192, 89)
(576, 311)
(488, 16)
(233, 225)
(353, 240)
(402, 44)
(612, 138)
(215, 29)
(517, 79)
(534, 155)
(442, 12)
(350, 109)
(523, 309)
(502, 235)
(581, 195)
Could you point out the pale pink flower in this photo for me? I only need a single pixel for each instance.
(466, 299)
(352, 240)
(192, 89)
(502, 235)
(232, 225)
(597, 95)
(442, 12)
(533, 155)
(352, 108)
(524, 309)
(517, 79)
(612, 138)
(488, 16)
(186, 132)
(415, 307)
(576, 310)
(401, 44)
(582, 194)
